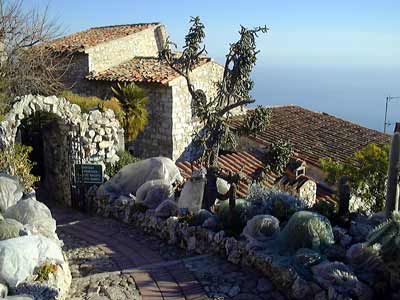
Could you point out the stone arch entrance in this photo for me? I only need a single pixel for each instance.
(47, 134)
(99, 134)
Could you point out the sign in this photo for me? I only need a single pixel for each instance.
(89, 173)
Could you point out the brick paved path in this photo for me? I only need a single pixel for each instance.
(105, 254)
(110, 260)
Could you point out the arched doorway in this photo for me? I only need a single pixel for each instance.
(47, 134)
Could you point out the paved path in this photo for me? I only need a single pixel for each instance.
(110, 260)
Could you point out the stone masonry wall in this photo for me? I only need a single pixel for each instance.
(183, 123)
(78, 69)
(100, 131)
(147, 42)
(157, 138)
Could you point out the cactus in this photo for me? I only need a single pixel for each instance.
(306, 230)
(392, 194)
(387, 236)
(344, 196)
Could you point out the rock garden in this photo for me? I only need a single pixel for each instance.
(304, 254)
(32, 264)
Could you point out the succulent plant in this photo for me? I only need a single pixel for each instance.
(392, 193)
(306, 229)
(272, 202)
(387, 236)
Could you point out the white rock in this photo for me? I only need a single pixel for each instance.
(20, 256)
(10, 191)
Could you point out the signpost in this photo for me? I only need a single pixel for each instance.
(89, 173)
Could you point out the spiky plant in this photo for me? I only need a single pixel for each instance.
(387, 236)
(134, 102)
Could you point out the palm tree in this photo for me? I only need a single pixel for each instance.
(134, 102)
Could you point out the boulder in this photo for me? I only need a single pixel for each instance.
(261, 228)
(128, 180)
(192, 194)
(55, 287)
(20, 256)
(306, 229)
(166, 209)
(10, 229)
(10, 191)
(34, 214)
(153, 192)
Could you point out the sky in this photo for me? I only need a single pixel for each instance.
(340, 57)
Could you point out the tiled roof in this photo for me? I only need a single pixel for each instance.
(140, 69)
(315, 135)
(80, 41)
(249, 165)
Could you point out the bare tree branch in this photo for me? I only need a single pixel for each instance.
(26, 65)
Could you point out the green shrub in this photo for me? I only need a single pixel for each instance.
(325, 208)
(233, 226)
(87, 103)
(277, 156)
(189, 219)
(44, 271)
(14, 160)
(367, 173)
(125, 158)
(134, 103)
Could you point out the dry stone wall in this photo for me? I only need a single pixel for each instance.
(101, 132)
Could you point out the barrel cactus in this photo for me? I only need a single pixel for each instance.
(392, 193)
(387, 236)
(306, 229)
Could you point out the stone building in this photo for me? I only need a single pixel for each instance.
(104, 56)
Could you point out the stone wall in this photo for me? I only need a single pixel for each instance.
(183, 123)
(157, 138)
(147, 42)
(100, 133)
(77, 70)
(56, 168)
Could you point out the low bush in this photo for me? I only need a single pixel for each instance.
(125, 158)
(87, 103)
(327, 209)
(232, 225)
(281, 205)
(14, 160)
(45, 270)
(190, 219)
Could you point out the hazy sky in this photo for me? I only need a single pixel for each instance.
(341, 57)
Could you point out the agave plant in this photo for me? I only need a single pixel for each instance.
(134, 102)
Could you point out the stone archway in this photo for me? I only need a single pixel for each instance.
(100, 132)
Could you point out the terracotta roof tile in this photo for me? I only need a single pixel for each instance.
(248, 164)
(80, 41)
(140, 69)
(315, 135)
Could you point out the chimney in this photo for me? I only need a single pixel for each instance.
(295, 168)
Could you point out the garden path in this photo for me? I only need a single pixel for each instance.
(113, 260)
